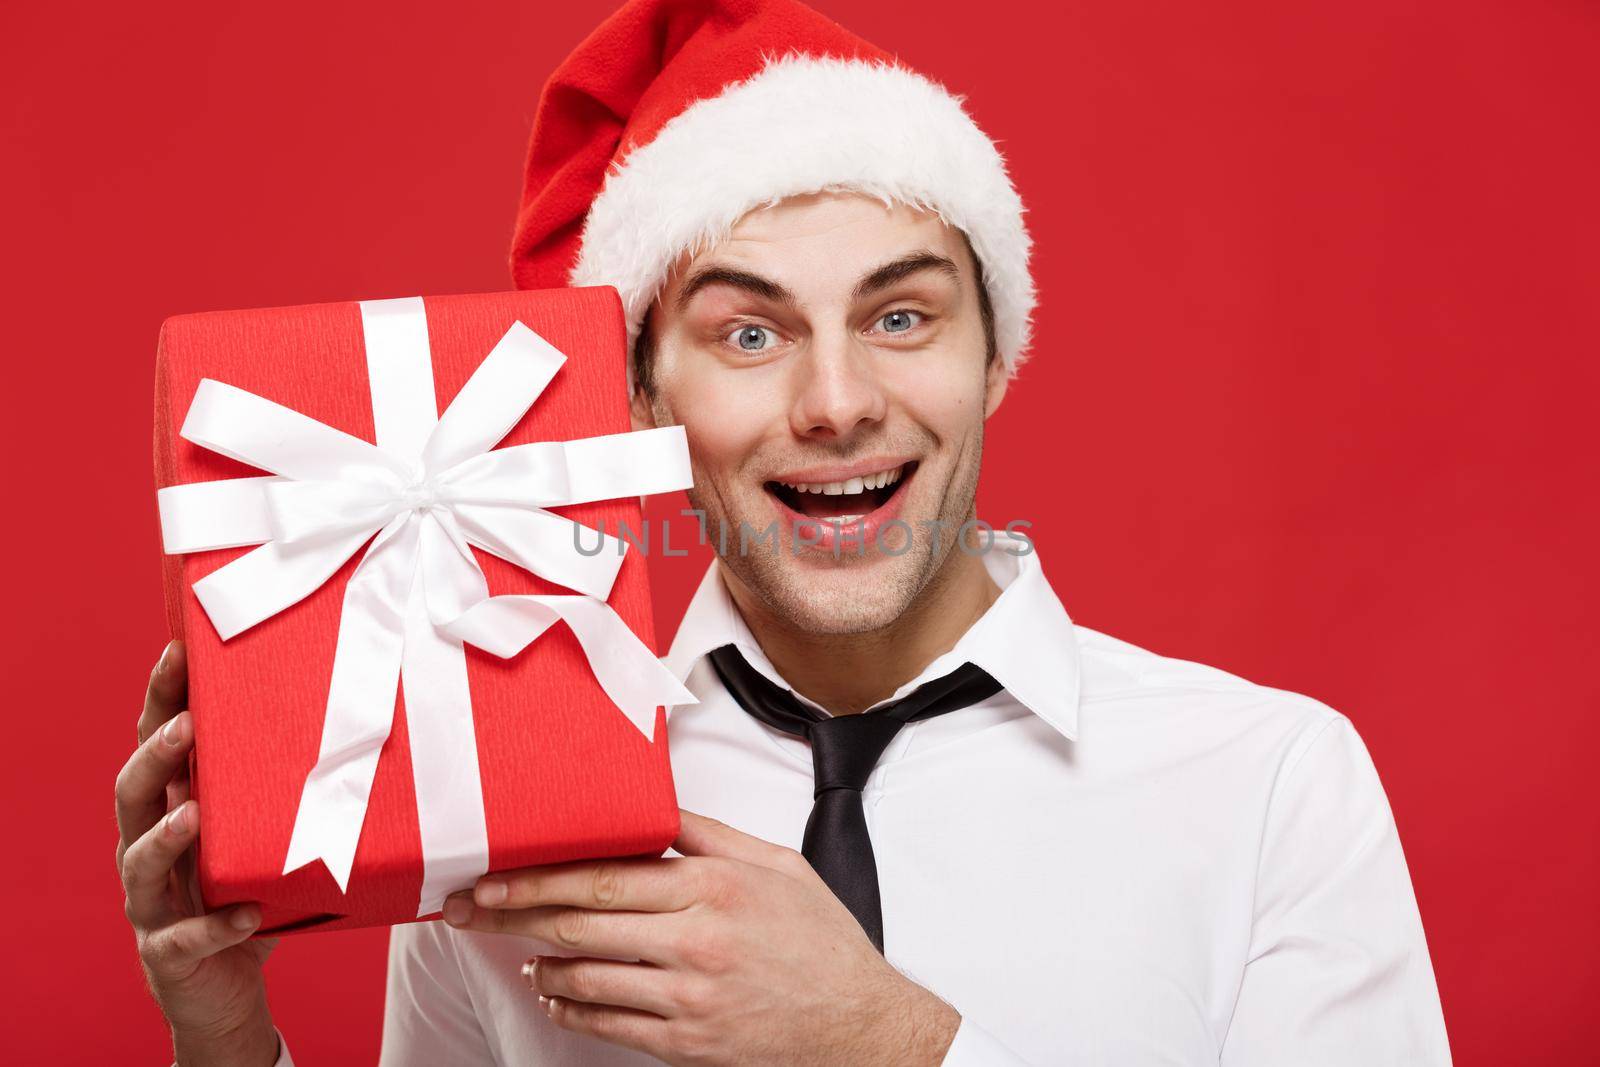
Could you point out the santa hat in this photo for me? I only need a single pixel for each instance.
(675, 118)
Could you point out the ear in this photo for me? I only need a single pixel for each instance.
(996, 378)
(640, 411)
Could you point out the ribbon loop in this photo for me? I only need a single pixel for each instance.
(641, 463)
(202, 516)
(265, 581)
(254, 430)
(303, 511)
(519, 476)
(494, 399)
(505, 625)
(546, 545)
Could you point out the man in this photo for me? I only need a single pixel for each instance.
(950, 826)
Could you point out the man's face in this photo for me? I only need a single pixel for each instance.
(828, 364)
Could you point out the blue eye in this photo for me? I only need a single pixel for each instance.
(900, 321)
(752, 338)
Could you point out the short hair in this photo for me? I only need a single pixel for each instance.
(644, 345)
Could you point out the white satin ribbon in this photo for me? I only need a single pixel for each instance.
(431, 487)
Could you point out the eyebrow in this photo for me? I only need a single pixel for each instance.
(878, 279)
(904, 267)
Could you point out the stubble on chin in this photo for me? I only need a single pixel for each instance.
(849, 596)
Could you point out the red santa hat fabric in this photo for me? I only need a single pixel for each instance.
(675, 118)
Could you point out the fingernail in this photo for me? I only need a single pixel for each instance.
(178, 821)
(457, 911)
(171, 733)
(530, 971)
(548, 1002)
(244, 919)
(489, 893)
(166, 654)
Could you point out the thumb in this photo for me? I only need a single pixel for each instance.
(702, 836)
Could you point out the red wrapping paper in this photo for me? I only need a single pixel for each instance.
(565, 775)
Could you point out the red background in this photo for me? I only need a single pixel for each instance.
(1314, 399)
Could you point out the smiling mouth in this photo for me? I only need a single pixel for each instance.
(844, 501)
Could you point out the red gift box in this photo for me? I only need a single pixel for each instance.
(565, 775)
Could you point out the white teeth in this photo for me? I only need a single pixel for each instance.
(849, 485)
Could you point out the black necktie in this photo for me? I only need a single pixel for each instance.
(844, 750)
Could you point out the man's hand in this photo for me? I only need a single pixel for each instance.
(745, 956)
(205, 974)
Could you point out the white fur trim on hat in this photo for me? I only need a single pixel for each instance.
(806, 125)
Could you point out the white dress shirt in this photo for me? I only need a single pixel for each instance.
(1120, 858)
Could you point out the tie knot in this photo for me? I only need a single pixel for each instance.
(845, 749)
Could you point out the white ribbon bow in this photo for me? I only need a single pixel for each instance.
(432, 486)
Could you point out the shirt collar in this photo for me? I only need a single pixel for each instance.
(1025, 639)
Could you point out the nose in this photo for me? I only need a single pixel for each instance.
(838, 390)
